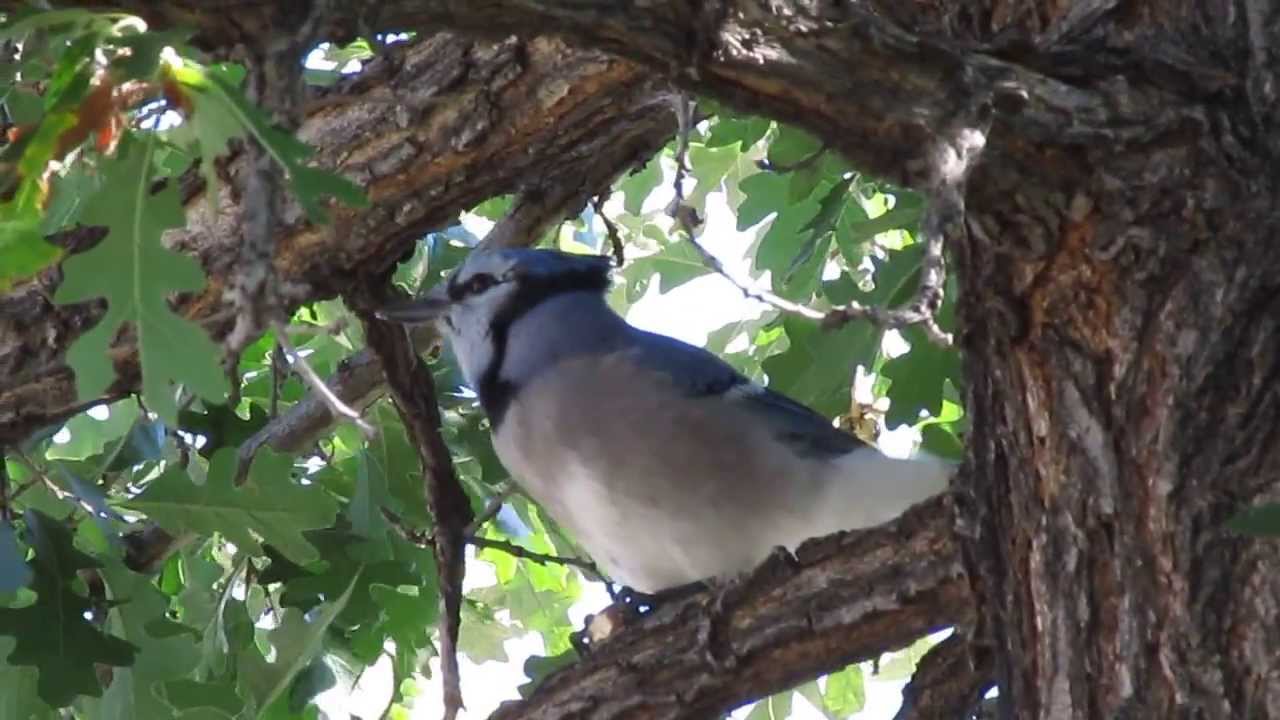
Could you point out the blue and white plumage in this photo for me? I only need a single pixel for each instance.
(666, 464)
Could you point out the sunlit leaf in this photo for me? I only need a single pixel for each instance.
(144, 273)
(223, 113)
(270, 506)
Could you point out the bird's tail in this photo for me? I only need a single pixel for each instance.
(872, 488)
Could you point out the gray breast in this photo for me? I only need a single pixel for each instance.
(660, 488)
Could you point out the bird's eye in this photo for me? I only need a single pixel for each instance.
(479, 283)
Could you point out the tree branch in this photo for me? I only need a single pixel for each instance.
(949, 681)
(841, 599)
(413, 390)
(541, 558)
(543, 121)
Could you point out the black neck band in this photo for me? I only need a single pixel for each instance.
(496, 392)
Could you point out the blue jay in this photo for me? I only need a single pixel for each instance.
(667, 465)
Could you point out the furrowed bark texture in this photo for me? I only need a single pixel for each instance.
(429, 130)
(841, 599)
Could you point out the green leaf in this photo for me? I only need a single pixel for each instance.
(296, 642)
(270, 506)
(845, 692)
(674, 265)
(919, 376)
(306, 587)
(482, 638)
(774, 707)
(792, 145)
(188, 694)
(765, 193)
(858, 228)
(817, 368)
(222, 426)
(222, 113)
(902, 664)
(708, 166)
(52, 634)
(24, 107)
(365, 509)
(394, 459)
(167, 650)
(197, 601)
(636, 187)
(745, 131)
(1260, 521)
(23, 251)
(411, 612)
(942, 442)
(142, 275)
(14, 572)
(792, 253)
(142, 58)
(19, 699)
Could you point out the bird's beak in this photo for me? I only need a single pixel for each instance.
(418, 311)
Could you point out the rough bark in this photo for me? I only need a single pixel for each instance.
(841, 599)
(1123, 337)
(429, 130)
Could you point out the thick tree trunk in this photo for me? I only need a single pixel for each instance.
(1123, 339)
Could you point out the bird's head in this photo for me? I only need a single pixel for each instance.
(493, 287)
(476, 305)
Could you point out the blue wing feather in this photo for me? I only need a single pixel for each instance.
(700, 373)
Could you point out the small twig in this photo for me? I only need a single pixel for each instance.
(944, 218)
(417, 537)
(6, 513)
(13, 497)
(54, 488)
(685, 110)
(413, 391)
(317, 383)
(949, 681)
(278, 366)
(491, 509)
(802, 163)
(541, 558)
(614, 240)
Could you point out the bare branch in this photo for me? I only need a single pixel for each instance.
(491, 509)
(413, 390)
(955, 155)
(607, 118)
(335, 403)
(954, 158)
(802, 163)
(948, 682)
(840, 599)
(514, 550)
(615, 242)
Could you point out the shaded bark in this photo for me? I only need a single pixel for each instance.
(429, 130)
(1124, 349)
(841, 599)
